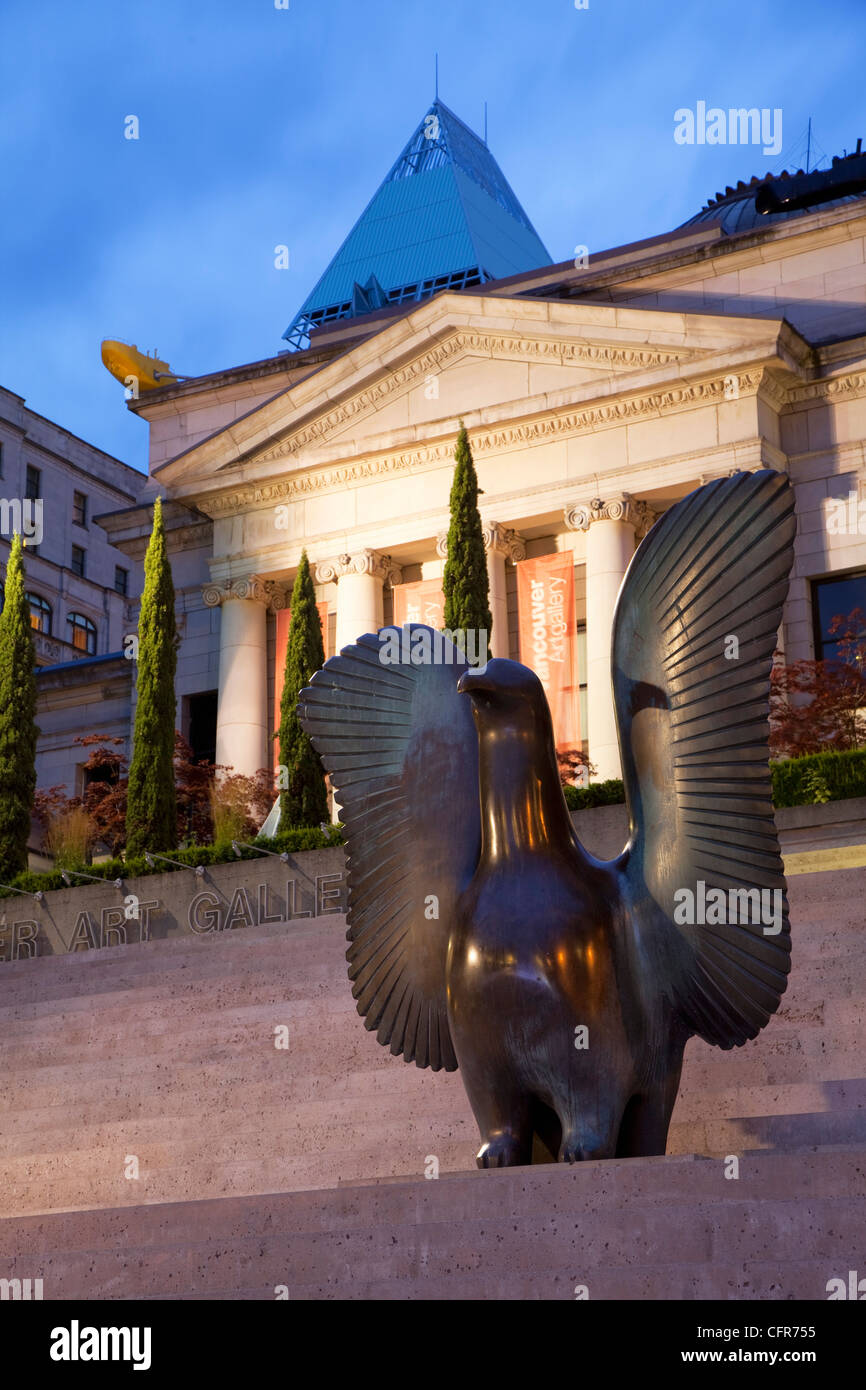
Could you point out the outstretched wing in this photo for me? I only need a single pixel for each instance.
(401, 750)
(693, 641)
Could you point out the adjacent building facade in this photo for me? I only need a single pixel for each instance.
(79, 586)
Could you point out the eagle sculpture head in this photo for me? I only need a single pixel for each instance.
(507, 700)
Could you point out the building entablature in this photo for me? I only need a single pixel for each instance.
(491, 439)
(419, 381)
(246, 543)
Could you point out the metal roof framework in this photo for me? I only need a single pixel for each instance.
(444, 217)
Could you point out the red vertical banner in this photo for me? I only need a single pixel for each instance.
(284, 620)
(548, 638)
(419, 602)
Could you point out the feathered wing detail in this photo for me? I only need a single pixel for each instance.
(400, 747)
(693, 640)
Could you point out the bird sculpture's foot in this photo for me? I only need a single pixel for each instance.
(502, 1151)
(578, 1148)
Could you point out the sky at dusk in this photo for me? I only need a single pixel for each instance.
(262, 127)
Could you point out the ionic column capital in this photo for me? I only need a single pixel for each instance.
(252, 587)
(365, 561)
(503, 540)
(622, 507)
(497, 538)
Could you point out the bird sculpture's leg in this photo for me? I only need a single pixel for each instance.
(506, 1131)
(644, 1129)
(590, 1107)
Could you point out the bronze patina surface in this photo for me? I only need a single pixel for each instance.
(482, 935)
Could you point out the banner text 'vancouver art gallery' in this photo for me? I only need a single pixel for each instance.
(548, 637)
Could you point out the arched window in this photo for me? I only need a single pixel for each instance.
(40, 613)
(83, 633)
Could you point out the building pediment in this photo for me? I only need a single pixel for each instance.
(461, 355)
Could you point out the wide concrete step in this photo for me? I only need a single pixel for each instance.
(207, 977)
(249, 1160)
(121, 1091)
(669, 1228)
(149, 1104)
(747, 1116)
(250, 1029)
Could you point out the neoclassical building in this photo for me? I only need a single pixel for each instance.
(595, 395)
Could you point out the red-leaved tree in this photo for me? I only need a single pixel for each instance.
(820, 706)
(104, 798)
(575, 768)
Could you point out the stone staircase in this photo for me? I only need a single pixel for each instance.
(303, 1166)
(664, 1228)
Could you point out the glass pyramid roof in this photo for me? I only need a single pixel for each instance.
(445, 217)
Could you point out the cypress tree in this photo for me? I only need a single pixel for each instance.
(303, 801)
(151, 808)
(18, 731)
(465, 583)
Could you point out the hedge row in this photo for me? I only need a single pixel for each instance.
(609, 793)
(819, 777)
(796, 782)
(290, 841)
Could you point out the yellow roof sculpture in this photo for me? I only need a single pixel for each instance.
(141, 371)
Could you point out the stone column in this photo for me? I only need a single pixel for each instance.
(500, 544)
(360, 579)
(612, 528)
(242, 741)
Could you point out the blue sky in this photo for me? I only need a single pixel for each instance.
(261, 127)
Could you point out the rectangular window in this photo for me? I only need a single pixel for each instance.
(78, 558)
(79, 508)
(1, 458)
(838, 613)
(121, 580)
(201, 722)
(33, 483)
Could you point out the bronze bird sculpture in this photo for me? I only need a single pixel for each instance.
(483, 935)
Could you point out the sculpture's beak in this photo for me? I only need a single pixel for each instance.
(476, 678)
